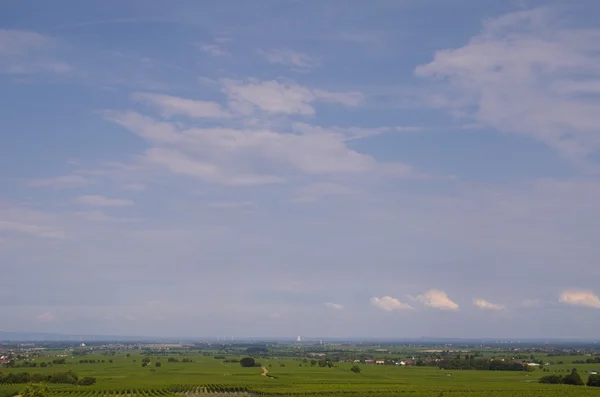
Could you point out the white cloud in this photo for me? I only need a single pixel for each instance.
(388, 304)
(286, 98)
(175, 106)
(30, 229)
(526, 73)
(437, 299)
(222, 154)
(485, 305)
(61, 182)
(580, 298)
(334, 306)
(101, 201)
(297, 60)
(47, 317)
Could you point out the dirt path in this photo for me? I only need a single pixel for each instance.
(265, 371)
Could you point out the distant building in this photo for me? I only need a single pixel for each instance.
(379, 361)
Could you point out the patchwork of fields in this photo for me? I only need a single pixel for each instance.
(207, 376)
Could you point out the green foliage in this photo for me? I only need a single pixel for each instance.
(35, 390)
(68, 377)
(247, 362)
(87, 381)
(571, 379)
(553, 379)
(593, 380)
(355, 369)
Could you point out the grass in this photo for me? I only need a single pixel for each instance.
(127, 378)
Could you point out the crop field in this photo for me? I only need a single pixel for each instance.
(201, 375)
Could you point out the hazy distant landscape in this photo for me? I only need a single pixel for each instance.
(296, 368)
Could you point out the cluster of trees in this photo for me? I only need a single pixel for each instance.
(571, 379)
(595, 360)
(68, 377)
(481, 364)
(324, 362)
(594, 380)
(249, 362)
(34, 364)
(183, 360)
(94, 361)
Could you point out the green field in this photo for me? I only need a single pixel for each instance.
(205, 375)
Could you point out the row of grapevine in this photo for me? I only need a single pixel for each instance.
(188, 390)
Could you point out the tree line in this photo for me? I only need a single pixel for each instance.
(68, 377)
(482, 364)
(571, 379)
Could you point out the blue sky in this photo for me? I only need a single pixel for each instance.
(279, 168)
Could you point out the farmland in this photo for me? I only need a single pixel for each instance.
(291, 371)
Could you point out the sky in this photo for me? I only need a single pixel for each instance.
(391, 168)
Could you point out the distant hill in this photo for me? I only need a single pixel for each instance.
(38, 336)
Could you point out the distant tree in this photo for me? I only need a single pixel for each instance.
(594, 380)
(35, 390)
(313, 362)
(573, 378)
(247, 362)
(87, 381)
(553, 379)
(355, 369)
(144, 364)
(157, 364)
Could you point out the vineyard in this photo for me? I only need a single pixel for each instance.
(204, 376)
(173, 391)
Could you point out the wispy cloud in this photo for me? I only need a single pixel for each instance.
(526, 73)
(61, 182)
(101, 201)
(247, 205)
(214, 49)
(584, 298)
(437, 299)
(26, 52)
(298, 61)
(18, 42)
(389, 304)
(168, 105)
(485, 305)
(138, 187)
(47, 317)
(31, 229)
(334, 306)
(285, 98)
(530, 303)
